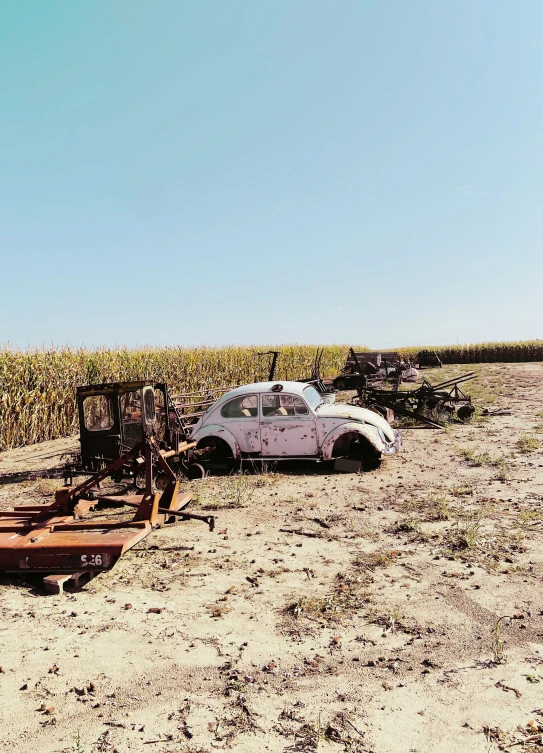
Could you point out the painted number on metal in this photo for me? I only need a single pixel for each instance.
(99, 560)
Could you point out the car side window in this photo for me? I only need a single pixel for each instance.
(277, 405)
(300, 407)
(241, 407)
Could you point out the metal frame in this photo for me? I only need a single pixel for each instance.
(410, 403)
(53, 539)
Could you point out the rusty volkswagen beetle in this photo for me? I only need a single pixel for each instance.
(280, 420)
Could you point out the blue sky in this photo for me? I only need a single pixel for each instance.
(262, 172)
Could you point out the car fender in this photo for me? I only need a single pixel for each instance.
(365, 430)
(216, 430)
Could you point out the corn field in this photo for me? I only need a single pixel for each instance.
(37, 387)
(483, 352)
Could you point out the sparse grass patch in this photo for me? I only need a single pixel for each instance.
(479, 534)
(478, 459)
(235, 491)
(528, 518)
(370, 534)
(372, 560)
(465, 532)
(311, 735)
(462, 490)
(243, 720)
(389, 620)
(348, 594)
(498, 641)
(77, 745)
(504, 471)
(432, 507)
(407, 525)
(47, 486)
(438, 507)
(528, 442)
(218, 610)
(539, 427)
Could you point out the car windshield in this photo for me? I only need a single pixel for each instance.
(312, 397)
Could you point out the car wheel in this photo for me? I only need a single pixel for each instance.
(360, 449)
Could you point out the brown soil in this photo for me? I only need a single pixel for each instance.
(377, 631)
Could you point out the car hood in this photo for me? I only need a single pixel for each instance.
(354, 413)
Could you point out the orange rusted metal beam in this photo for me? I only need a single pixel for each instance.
(49, 539)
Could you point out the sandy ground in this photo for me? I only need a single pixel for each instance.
(379, 631)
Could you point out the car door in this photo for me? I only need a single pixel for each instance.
(240, 417)
(287, 426)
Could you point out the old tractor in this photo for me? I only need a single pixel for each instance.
(115, 417)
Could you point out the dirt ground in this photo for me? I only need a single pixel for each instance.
(397, 611)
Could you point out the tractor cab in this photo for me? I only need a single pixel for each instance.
(114, 417)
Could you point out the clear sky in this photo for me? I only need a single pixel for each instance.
(249, 171)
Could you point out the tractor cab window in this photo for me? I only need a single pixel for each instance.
(98, 413)
(241, 407)
(149, 402)
(131, 418)
(160, 409)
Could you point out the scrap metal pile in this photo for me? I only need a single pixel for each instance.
(139, 435)
(114, 417)
(53, 538)
(423, 404)
(129, 431)
(363, 366)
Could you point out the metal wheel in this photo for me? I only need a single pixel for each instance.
(465, 412)
(195, 470)
(161, 481)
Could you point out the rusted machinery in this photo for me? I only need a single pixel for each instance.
(445, 397)
(324, 388)
(115, 417)
(273, 364)
(360, 366)
(53, 539)
(427, 359)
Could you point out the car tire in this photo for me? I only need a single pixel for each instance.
(360, 449)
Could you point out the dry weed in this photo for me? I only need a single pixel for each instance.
(528, 442)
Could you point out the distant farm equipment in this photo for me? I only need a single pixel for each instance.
(427, 359)
(363, 366)
(423, 404)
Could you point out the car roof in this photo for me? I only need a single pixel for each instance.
(293, 388)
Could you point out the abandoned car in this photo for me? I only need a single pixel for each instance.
(278, 420)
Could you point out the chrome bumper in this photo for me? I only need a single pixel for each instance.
(391, 448)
